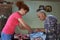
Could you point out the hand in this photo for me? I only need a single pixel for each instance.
(31, 32)
(37, 30)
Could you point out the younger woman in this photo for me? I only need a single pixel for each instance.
(14, 20)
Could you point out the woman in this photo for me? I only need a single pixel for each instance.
(14, 20)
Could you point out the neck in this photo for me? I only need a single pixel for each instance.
(20, 12)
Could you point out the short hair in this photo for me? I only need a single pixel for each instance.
(42, 11)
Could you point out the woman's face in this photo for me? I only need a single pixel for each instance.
(23, 11)
(41, 16)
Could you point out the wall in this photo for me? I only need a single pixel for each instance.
(31, 17)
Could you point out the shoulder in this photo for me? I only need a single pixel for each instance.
(16, 14)
(51, 17)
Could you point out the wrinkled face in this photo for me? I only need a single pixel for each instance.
(23, 11)
(41, 16)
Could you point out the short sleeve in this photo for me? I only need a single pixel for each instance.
(17, 15)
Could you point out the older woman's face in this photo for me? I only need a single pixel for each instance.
(41, 16)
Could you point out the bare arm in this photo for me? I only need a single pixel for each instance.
(21, 21)
(21, 27)
(40, 30)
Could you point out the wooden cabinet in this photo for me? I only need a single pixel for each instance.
(1, 0)
(5, 11)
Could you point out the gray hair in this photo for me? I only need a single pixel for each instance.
(43, 11)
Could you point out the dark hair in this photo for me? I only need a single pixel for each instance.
(41, 7)
(20, 4)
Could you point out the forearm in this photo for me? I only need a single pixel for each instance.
(39, 30)
(21, 27)
(27, 27)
